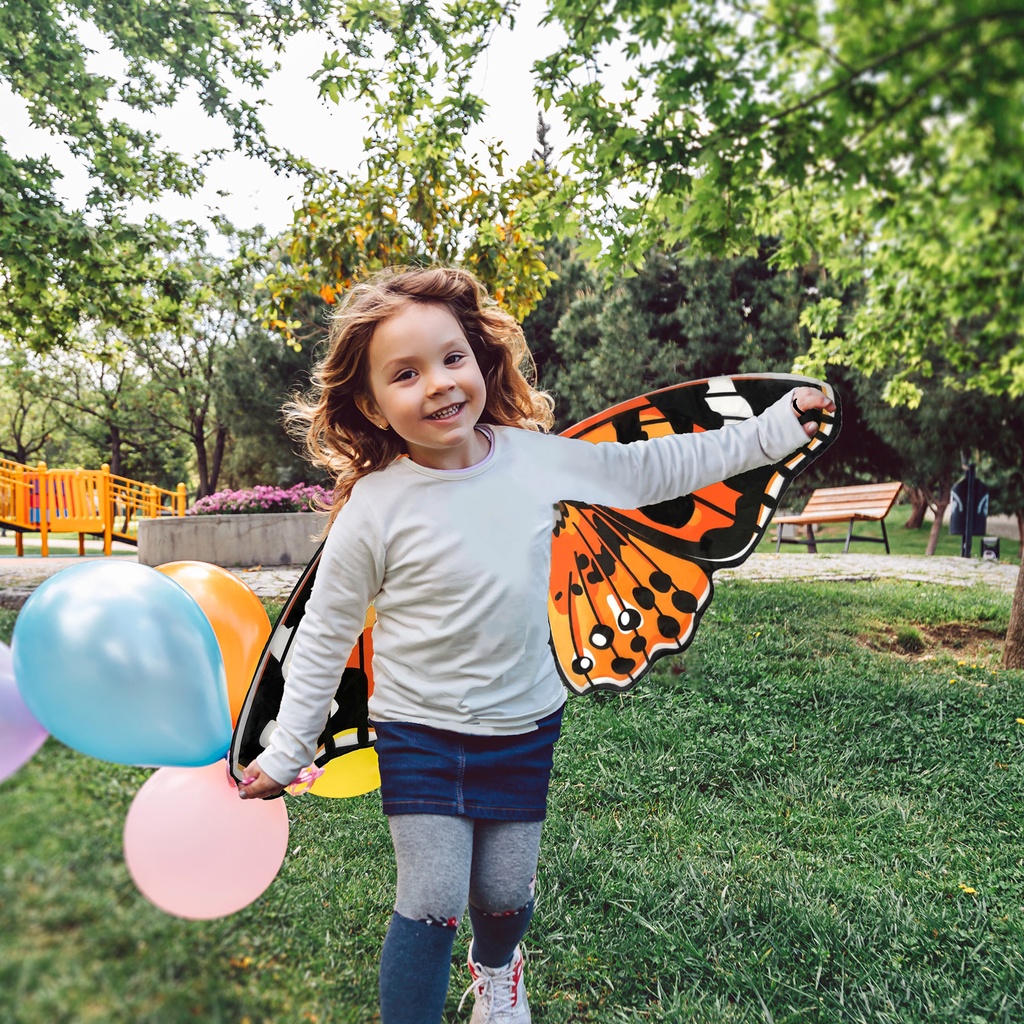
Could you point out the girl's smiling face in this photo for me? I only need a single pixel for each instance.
(426, 384)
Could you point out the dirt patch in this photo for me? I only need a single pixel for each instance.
(963, 640)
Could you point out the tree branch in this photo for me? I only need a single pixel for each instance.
(808, 40)
(912, 47)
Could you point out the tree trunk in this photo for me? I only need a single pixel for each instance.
(1013, 649)
(939, 508)
(218, 457)
(919, 506)
(115, 450)
(202, 466)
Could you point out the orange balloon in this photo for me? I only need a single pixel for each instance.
(238, 618)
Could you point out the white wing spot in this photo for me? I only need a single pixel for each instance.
(268, 731)
(287, 663)
(723, 399)
(279, 642)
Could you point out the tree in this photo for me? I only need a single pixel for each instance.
(256, 377)
(1006, 455)
(26, 420)
(1005, 462)
(679, 317)
(930, 441)
(421, 196)
(185, 364)
(884, 138)
(608, 351)
(572, 278)
(98, 395)
(544, 151)
(63, 267)
(149, 402)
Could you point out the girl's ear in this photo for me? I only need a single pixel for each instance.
(368, 407)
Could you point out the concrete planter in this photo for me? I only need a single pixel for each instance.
(271, 538)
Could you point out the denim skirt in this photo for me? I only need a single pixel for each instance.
(433, 771)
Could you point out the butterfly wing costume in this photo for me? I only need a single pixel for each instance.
(627, 587)
(630, 586)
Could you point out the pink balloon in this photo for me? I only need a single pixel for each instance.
(20, 734)
(195, 849)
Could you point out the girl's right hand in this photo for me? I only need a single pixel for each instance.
(256, 783)
(807, 400)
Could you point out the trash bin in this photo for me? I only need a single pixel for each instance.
(969, 514)
(958, 512)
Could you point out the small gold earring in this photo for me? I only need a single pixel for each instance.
(383, 426)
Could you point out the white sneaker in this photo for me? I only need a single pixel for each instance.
(499, 991)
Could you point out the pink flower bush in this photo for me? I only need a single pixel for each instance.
(300, 498)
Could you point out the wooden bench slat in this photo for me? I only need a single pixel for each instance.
(832, 517)
(860, 512)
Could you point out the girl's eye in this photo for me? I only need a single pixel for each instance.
(455, 357)
(405, 375)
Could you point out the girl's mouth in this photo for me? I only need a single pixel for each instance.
(447, 412)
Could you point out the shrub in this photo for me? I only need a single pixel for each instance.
(300, 498)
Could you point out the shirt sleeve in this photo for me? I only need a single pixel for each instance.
(647, 472)
(348, 578)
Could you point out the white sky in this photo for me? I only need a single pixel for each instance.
(327, 134)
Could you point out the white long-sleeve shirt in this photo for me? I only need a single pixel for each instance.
(457, 565)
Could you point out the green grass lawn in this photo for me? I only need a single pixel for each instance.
(901, 540)
(815, 815)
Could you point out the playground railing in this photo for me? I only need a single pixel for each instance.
(81, 501)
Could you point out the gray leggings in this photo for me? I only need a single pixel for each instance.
(445, 862)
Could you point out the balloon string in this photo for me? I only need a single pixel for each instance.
(303, 782)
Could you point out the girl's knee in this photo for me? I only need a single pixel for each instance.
(504, 901)
(526, 908)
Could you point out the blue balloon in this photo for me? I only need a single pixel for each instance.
(119, 662)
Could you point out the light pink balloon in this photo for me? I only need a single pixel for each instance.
(20, 734)
(195, 849)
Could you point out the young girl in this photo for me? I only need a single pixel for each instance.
(452, 546)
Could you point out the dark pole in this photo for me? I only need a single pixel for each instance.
(968, 538)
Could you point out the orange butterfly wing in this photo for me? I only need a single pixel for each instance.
(628, 587)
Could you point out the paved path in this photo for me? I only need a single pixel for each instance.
(961, 572)
(18, 576)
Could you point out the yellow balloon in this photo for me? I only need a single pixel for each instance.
(351, 774)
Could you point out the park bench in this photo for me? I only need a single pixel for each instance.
(860, 503)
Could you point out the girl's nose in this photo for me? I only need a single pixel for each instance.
(440, 381)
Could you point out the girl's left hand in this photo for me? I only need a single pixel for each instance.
(807, 400)
(256, 783)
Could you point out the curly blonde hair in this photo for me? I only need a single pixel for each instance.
(339, 438)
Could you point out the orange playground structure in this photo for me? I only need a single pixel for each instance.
(82, 501)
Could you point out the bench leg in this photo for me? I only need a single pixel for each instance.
(885, 536)
(849, 537)
(812, 544)
(778, 542)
